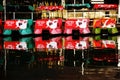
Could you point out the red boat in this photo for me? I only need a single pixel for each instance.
(105, 6)
(50, 8)
(108, 24)
(104, 23)
(23, 26)
(54, 26)
(15, 24)
(77, 24)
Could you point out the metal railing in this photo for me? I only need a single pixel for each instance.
(64, 14)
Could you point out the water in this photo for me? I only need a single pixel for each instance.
(60, 58)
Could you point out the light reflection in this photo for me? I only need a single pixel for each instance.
(49, 51)
(104, 51)
(100, 42)
(60, 54)
(65, 50)
(53, 43)
(20, 44)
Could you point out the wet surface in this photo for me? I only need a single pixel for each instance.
(60, 58)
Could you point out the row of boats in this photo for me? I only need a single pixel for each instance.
(58, 26)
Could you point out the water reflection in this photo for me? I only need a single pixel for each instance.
(19, 44)
(87, 55)
(104, 42)
(66, 49)
(104, 51)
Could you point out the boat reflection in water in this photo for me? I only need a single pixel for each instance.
(58, 57)
(48, 52)
(104, 51)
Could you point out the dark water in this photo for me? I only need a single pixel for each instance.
(60, 58)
